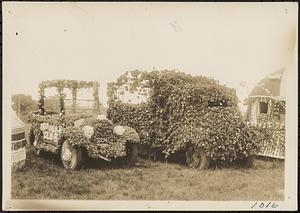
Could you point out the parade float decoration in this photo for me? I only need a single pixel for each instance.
(183, 113)
(76, 135)
(266, 110)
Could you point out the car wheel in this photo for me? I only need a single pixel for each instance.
(131, 153)
(196, 158)
(71, 157)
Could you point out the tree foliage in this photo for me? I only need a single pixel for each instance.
(24, 103)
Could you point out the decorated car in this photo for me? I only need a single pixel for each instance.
(76, 135)
(18, 142)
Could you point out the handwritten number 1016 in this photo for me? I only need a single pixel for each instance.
(264, 205)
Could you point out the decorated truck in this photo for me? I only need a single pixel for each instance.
(75, 135)
(177, 113)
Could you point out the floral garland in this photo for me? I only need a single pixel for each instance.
(70, 84)
(41, 101)
(67, 84)
(74, 97)
(96, 96)
(56, 119)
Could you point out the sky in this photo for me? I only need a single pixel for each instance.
(231, 42)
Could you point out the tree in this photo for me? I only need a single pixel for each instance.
(23, 103)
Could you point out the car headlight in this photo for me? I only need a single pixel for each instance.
(88, 131)
(44, 126)
(119, 130)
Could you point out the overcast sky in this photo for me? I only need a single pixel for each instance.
(100, 41)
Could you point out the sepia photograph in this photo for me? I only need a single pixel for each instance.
(150, 106)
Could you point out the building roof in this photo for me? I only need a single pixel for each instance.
(270, 85)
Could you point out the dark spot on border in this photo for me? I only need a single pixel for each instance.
(17, 33)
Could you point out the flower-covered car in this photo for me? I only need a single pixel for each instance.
(76, 135)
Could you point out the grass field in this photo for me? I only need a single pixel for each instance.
(44, 178)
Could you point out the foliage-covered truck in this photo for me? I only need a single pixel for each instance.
(75, 135)
(183, 113)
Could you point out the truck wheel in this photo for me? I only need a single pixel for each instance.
(196, 158)
(71, 157)
(249, 161)
(131, 153)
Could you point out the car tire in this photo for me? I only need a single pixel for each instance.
(131, 153)
(71, 157)
(196, 158)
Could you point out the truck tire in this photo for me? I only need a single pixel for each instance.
(71, 157)
(131, 153)
(249, 161)
(196, 158)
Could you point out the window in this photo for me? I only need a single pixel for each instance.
(263, 107)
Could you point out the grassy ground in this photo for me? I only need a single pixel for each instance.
(44, 178)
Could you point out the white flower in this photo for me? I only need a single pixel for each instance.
(101, 117)
(88, 131)
(119, 130)
(44, 126)
(79, 123)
